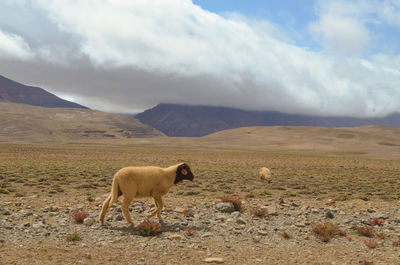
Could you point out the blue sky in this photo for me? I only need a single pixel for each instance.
(320, 57)
(294, 18)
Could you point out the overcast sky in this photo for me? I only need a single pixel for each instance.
(321, 57)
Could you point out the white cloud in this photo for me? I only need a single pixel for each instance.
(14, 46)
(126, 55)
(388, 11)
(342, 34)
(341, 27)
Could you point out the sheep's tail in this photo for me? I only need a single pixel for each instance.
(114, 192)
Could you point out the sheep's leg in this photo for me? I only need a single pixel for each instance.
(125, 209)
(159, 208)
(159, 205)
(104, 210)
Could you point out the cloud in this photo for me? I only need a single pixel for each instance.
(126, 56)
(14, 46)
(341, 27)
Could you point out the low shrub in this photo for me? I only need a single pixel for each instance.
(326, 231)
(364, 230)
(78, 216)
(149, 228)
(189, 231)
(237, 203)
(371, 244)
(259, 212)
(73, 237)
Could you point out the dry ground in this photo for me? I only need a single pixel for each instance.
(34, 177)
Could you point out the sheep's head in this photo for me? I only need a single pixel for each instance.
(183, 172)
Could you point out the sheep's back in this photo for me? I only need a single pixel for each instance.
(143, 181)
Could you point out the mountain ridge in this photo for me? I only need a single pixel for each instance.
(178, 120)
(15, 92)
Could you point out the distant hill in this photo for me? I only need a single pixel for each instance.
(11, 91)
(196, 121)
(23, 122)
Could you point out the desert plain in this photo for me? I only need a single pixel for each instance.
(345, 180)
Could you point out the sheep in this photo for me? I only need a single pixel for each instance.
(265, 174)
(141, 182)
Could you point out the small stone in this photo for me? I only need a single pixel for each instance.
(366, 222)
(262, 232)
(209, 234)
(38, 225)
(119, 217)
(315, 211)
(301, 224)
(240, 220)
(174, 237)
(179, 210)
(225, 207)
(329, 214)
(220, 218)
(214, 260)
(235, 214)
(272, 210)
(88, 221)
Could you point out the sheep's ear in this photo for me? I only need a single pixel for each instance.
(184, 172)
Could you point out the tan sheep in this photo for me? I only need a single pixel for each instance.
(141, 182)
(265, 174)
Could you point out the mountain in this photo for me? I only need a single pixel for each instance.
(21, 122)
(11, 91)
(195, 121)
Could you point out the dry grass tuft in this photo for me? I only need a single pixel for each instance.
(237, 203)
(259, 212)
(73, 237)
(326, 231)
(190, 231)
(364, 230)
(78, 216)
(149, 228)
(371, 244)
(285, 235)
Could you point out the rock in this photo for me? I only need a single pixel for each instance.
(272, 210)
(262, 232)
(54, 209)
(38, 225)
(208, 234)
(220, 217)
(300, 224)
(16, 216)
(225, 207)
(179, 210)
(174, 237)
(26, 225)
(366, 222)
(88, 221)
(214, 260)
(240, 220)
(329, 214)
(235, 214)
(119, 217)
(315, 211)
(4, 212)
